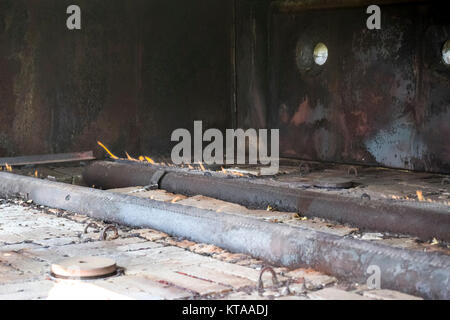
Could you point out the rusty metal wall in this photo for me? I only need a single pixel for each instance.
(136, 71)
(381, 98)
(251, 62)
(139, 69)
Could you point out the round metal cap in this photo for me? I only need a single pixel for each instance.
(84, 268)
(334, 183)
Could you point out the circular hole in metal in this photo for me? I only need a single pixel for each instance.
(320, 53)
(446, 52)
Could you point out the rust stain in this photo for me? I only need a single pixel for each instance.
(303, 113)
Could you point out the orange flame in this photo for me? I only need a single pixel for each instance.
(141, 158)
(201, 166)
(420, 195)
(106, 149)
(176, 199)
(8, 167)
(232, 173)
(130, 157)
(35, 173)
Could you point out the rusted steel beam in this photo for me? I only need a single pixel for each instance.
(422, 220)
(414, 272)
(47, 158)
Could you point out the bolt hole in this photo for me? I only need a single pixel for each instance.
(68, 197)
(365, 196)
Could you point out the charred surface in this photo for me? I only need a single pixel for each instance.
(382, 97)
(134, 72)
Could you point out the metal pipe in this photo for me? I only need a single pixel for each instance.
(423, 220)
(414, 272)
(47, 159)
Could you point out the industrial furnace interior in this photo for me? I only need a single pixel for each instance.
(304, 138)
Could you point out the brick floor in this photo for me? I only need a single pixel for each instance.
(155, 265)
(335, 294)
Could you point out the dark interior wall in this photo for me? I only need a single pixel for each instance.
(140, 69)
(252, 31)
(187, 67)
(135, 72)
(381, 98)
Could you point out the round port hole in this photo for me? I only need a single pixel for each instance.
(320, 54)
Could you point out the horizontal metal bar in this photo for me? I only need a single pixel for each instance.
(423, 220)
(47, 158)
(414, 272)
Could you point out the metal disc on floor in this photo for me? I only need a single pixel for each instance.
(84, 268)
(333, 183)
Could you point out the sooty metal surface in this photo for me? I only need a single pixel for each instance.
(382, 96)
(424, 220)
